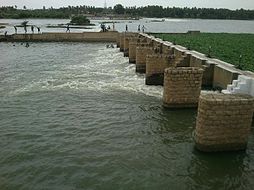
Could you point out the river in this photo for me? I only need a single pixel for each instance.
(151, 25)
(77, 116)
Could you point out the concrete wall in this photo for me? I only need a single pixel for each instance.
(200, 60)
(73, 37)
(223, 122)
(182, 86)
(223, 76)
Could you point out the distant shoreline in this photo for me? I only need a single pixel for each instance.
(119, 12)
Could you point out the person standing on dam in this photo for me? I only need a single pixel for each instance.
(39, 30)
(25, 29)
(32, 29)
(68, 28)
(126, 28)
(143, 29)
(139, 28)
(16, 30)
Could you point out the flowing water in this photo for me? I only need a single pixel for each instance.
(76, 116)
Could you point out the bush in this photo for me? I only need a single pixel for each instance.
(79, 20)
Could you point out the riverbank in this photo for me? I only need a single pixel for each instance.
(236, 49)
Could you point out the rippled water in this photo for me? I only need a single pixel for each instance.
(170, 25)
(76, 116)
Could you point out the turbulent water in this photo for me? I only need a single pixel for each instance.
(76, 116)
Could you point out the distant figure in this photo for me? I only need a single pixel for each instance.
(126, 28)
(113, 26)
(25, 29)
(143, 29)
(27, 44)
(103, 27)
(68, 28)
(5, 34)
(16, 30)
(39, 30)
(32, 29)
(139, 28)
(108, 28)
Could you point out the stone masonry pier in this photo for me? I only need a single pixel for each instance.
(182, 87)
(223, 122)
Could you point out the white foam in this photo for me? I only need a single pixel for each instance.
(106, 71)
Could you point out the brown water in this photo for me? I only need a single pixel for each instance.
(76, 116)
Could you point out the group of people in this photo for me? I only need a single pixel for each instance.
(25, 29)
(105, 28)
(139, 28)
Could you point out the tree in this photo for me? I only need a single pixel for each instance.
(79, 20)
(119, 9)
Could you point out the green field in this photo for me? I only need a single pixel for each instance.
(223, 46)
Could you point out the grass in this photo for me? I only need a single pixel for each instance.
(224, 46)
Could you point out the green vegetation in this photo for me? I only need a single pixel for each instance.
(236, 49)
(79, 20)
(119, 10)
(11, 12)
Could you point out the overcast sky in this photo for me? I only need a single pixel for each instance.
(230, 4)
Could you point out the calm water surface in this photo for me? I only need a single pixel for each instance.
(170, 25)
(76, 116)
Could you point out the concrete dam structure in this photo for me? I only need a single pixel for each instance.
(224, 119)
(63, 37)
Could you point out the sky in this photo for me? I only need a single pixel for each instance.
(229, 4)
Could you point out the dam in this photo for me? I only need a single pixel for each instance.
(182, 73)
(83, 111)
